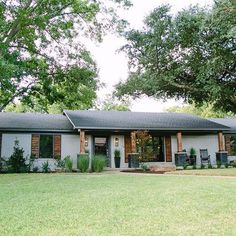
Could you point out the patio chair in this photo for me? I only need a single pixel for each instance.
(205, 158)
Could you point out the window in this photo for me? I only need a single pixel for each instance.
(232, 144)
(46, 146)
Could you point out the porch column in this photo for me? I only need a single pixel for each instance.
(179, 142)
(133, 142)
(221, 155)
(82, 141)
(220, 141)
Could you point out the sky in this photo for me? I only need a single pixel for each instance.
(113, 66)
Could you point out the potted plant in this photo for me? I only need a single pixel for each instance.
(117, 158)
(193, 156)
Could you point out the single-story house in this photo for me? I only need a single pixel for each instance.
(46, 136)
(229, 136)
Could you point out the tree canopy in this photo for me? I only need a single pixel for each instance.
(205, 111)
(43, 60)
(111, 103)
(190, 55)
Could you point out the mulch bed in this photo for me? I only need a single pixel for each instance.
(143, 172)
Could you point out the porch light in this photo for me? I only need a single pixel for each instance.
(86, 142)
(116, 142)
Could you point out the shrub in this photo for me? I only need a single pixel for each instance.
(16, 162)
(117, 153)
(35, 169)
(83, 162)
(218, 163)
(45, 167)
(193, 152)
(68, 164)
(98, 163)
(1, 165)
(144, 167)
(226, 165)
(61, 163)
(209, 166)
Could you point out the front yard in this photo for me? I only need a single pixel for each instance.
(207, 172)
(116, 204)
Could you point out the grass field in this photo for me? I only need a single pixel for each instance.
(116, 204)
(207, 172)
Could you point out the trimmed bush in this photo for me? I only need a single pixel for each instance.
(83, 162)
(16, 162)
(68, 164)
(98, 163)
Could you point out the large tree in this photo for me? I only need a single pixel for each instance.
(190, 55)
(205, 111)
(42, 58)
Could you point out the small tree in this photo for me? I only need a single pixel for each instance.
(143, 142)
(16, 161)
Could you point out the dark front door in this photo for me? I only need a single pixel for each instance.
(101, 147)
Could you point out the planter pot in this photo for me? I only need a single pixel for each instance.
(180, 158)
(222, 157)
(117, 162)
(192, 159)
(134, 160)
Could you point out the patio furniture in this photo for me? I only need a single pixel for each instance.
(205, 158)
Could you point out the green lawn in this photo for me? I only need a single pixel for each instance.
(116, 204)
(208, 172)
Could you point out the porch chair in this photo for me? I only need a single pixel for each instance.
(205, 158)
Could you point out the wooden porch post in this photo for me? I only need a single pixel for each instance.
(179, 142)
(133, 142)
(220, 141)
(82, 141)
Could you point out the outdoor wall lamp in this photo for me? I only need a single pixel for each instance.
(86, 142)
(116, 142)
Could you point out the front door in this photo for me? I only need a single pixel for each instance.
(101, 147)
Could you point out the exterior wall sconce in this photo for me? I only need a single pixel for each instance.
(116, 142)
(86, 142)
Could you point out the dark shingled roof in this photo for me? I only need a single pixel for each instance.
(34, 122)
(230, 122)
(123, 120)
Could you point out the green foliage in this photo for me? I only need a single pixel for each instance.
(43, 62)
(61, 163)
(16, 162)
(192, 151)
(45, 167)
(111, 103)
(117, 153)
(218, 163)
(226, 165)
(1, 164)
(83, 162)
(209, 166)
(205, 111)
(190, 55)
(98, 163)
(68, 164)
(185, 166)
(144, 167)
(35, 169)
